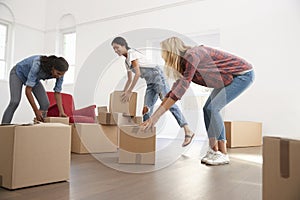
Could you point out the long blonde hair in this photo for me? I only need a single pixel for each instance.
(172, 51)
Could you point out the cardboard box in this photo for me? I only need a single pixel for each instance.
(122, 120)
(94, 138)
(63, 120)
(107, 118)
(243, 133)
(102, 109)
(136, 146)
(281, 168)
(34, 154)
(116, 104)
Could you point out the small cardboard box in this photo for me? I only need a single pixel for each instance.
(107, 118)
(102, 109)
(34, 154)
(116, 104)
(243, 133)
(136, 146)
(281, 168)
(94, 138)
(63, 120)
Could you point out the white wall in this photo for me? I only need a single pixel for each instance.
(28, 39)
(266, 33)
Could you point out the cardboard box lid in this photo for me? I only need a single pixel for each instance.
(56, 119)
(40, 124)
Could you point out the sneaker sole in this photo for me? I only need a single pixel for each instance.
(216, 164)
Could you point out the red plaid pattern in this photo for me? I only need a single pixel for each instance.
(208, 67)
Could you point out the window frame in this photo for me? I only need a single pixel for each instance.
(63, 32)
(6, 59)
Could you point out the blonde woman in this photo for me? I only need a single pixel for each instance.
(227, 74)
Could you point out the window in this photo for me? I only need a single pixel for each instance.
(69, 53)
(3, 49)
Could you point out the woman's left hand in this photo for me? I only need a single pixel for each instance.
(62, 114)
(148, 124)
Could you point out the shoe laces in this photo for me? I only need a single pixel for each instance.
(209, 153)
(217, 155)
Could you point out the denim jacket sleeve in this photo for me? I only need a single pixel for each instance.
(32, 78)
(58, 84)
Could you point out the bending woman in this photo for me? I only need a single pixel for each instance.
(229, 75)
(29, 72)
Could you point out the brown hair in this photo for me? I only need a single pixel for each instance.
(50, 62)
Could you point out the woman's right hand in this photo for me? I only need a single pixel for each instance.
(39, 115)
(125, 96)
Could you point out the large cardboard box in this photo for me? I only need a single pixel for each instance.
(94, 138)
(136, 146)
(243, 133)
(281, 168)
(34, 154)
(116, 104)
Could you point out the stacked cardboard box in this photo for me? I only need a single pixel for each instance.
(119, 113)
(243, 133)
(106, 118)
(137, 146)
(281, 168)
(34, 154)
(103, 137)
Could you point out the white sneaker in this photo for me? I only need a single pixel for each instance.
(208, 155)
(218, 159)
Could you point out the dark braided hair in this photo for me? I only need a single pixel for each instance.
(120, 41)
(50, 62)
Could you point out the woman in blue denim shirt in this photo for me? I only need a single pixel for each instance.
(156, 83)
(29, 72)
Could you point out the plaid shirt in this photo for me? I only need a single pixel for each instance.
(208, 67)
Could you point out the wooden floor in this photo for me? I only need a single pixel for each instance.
(186, 178)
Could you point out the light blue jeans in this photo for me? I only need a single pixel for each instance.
(218, 99)
(158, 87)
